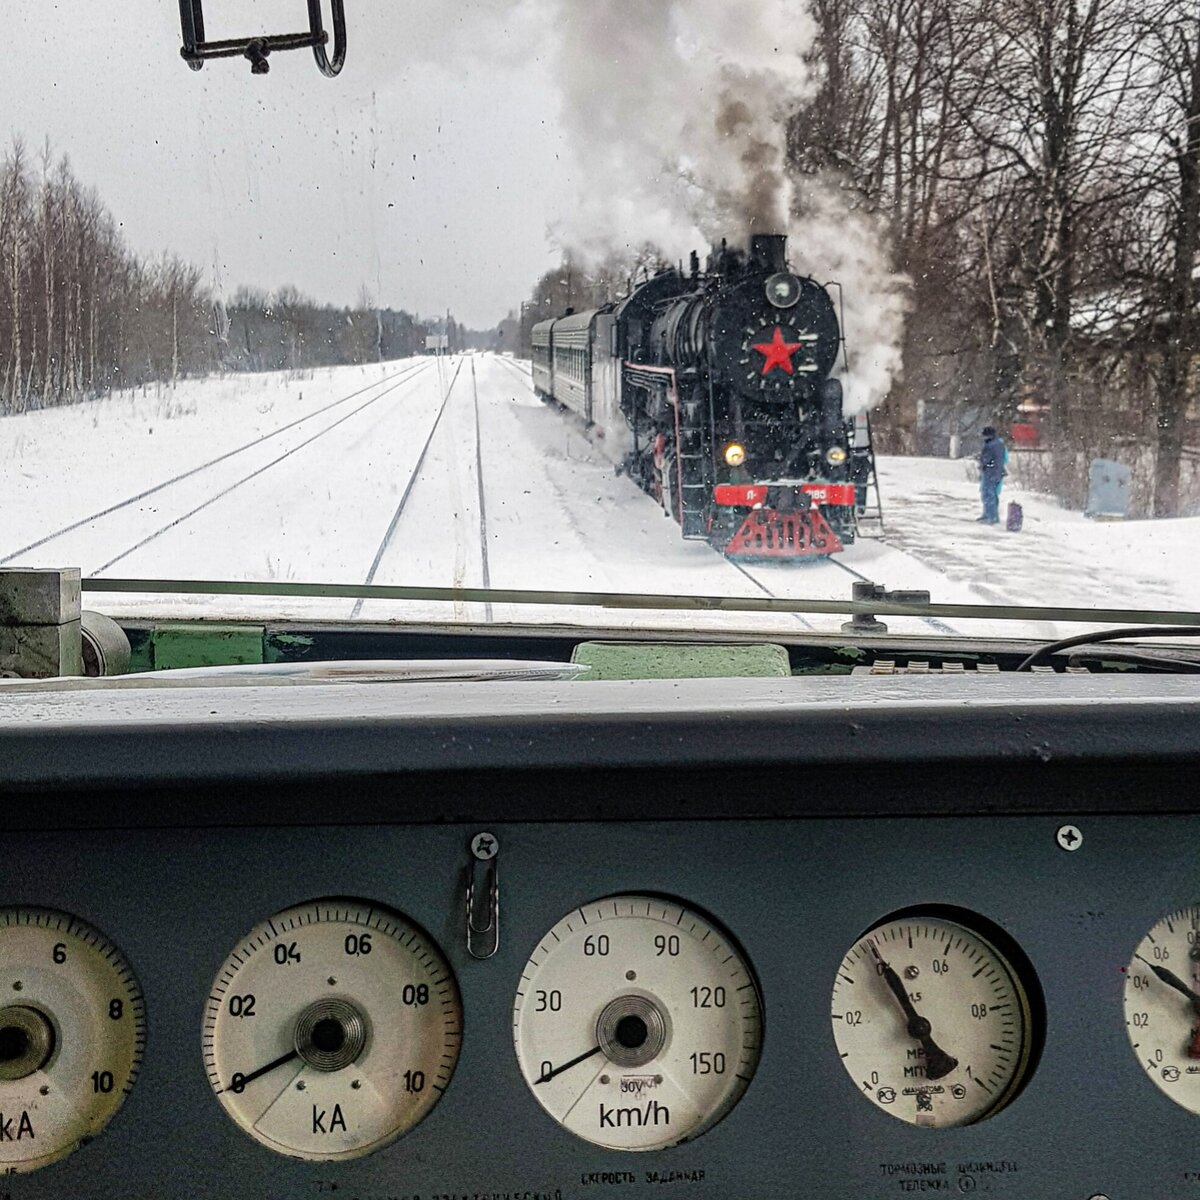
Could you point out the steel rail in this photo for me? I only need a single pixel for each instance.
(636, 601)
(385, 545)
(407, 371)
(218, 496)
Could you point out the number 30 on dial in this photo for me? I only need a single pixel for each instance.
(637, 1023)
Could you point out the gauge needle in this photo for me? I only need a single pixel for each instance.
(938, 1064)
(238, 1083)
(1172, 980)
(549, 1075)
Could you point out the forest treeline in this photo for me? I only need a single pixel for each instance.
(1037, 164)
(1034, 166)
(80, 314)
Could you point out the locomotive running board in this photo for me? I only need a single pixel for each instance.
(768, 533)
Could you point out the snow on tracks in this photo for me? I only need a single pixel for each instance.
(114, 522)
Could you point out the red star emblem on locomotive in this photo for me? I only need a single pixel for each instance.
(778, 353)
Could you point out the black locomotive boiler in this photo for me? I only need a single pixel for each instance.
(714, 391)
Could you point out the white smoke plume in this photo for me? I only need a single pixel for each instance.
(676, 112)
(835, 242)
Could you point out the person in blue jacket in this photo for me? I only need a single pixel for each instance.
(993, 466)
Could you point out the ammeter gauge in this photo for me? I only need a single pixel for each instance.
(72, 1030)
(333, 1028)
(933, 1023)
(1162, 1006)
(637, 1023)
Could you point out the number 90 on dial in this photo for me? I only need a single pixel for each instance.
(637, 1023)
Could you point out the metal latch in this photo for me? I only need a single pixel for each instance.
(483, 896)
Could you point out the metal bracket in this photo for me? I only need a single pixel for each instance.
(196, 50)
(483, 897)
(873, 593)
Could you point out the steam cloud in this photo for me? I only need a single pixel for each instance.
(677, 112)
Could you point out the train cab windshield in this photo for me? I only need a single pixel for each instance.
(532, 304)
(599, 599)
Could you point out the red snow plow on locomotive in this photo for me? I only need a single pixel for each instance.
(715, 392)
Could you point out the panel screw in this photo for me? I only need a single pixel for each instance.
(1069, 837)
(485, 846)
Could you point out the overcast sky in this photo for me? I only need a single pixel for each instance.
(431, 171)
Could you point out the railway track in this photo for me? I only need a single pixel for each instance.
(386, 543)
(747, 571)
(389, 383)
(934, 623)
(241, 481)
(483, 533)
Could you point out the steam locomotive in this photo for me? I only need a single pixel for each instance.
(713, 390)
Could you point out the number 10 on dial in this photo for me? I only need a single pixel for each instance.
(332, 1029)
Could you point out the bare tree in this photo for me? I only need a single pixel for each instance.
(1171, 45)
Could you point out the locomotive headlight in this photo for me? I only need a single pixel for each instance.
(835, 456)
(735, 454)
(783, 290)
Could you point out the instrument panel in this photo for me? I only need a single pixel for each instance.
(870, 1007)
(706, 938)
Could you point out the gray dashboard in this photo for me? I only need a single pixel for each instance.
(175, 824)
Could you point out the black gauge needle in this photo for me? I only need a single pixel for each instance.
(938, 1064)
(549, 1075)
(1173, 980)
(237, 1084)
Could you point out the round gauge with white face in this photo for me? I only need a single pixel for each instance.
(1162, 1005)
(932, 1021)
(637, 1023)
(331, 1029)
(72, 1030)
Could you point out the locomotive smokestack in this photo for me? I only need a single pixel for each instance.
(769, 251)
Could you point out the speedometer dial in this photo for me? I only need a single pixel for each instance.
(637, 1023)
(1162, 1006)
(931, 1021)
(332, 1028)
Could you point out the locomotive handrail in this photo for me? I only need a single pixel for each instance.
(196, 50)
(669, 374)
(619, 600)
(836, 283)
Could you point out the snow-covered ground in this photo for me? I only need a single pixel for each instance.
(1059, 558)
(314, 478)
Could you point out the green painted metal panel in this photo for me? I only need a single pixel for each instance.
(288, 647)
(207, 645)
(141, 649)
(669, 660)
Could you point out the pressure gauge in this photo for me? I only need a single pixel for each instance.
(1162, 1006)
(333, 1028)
(933, 1023)
(72, 1029)
(637, 1023)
